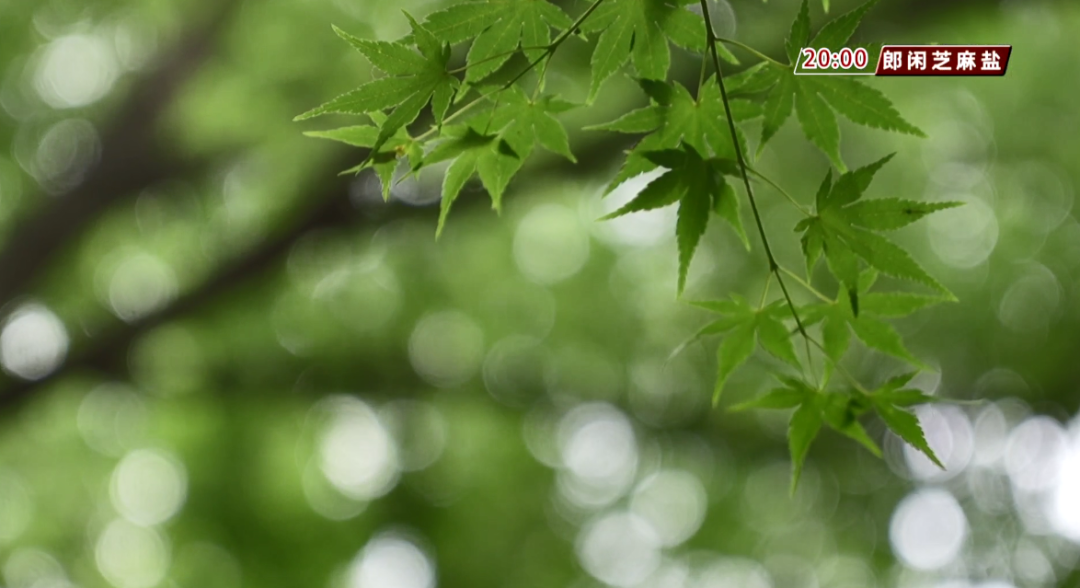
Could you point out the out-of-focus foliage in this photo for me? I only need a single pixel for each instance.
(224, 382)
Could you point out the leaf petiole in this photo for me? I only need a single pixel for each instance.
(843, 371)
(782, 191)
(765, 291)
(750, 49)
(805, 284)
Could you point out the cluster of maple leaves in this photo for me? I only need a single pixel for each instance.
(486, 123)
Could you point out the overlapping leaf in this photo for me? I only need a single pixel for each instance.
(639, 30)
(889, 402)
(893, 392)
(527, 122)
(413, 81)
(744, 327)
(814, 408)
(385, 160)
(815, 98)
(488, 155)
(841, 412)
(673, 117)
(495, 145)
(498, 28)
(689, 137)
(845, 229)
(839, 320)
(698, 185)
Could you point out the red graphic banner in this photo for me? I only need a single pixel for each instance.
(943, 60)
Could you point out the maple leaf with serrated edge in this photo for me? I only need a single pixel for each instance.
(488, 155)
(496, 144)
(385, 161)
(639, 30)
(814, 407)
(413, 81)
(698, 185)
(888, 403)
(791, 395)
(802, 429)
(893, 391)
(838, 320)
(752, 80)
(743, 327)
(497, 29)
(799, 33)
(844, 230)
(815, 98)
(841, 411)
(526, 122)
(464, 21)
(673, 117)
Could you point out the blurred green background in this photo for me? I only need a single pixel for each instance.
(225, 365)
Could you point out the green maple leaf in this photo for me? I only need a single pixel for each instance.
(799, 33)
(357, 135)
(639, 30)
(889, 402)
(893, 392)
(814, 408)
(815, 98)
(803, 428)
(498, 29)
(791, 395)
(488, 155)
(528, 21)
(673, 117)
(836, 33)
(495, 146)
(413, 81)
(839, 320)
(698, 185)
(464, 21)
(385, 161)
(845, 230)
(744, 327)
(528, 122)
(841, 412)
